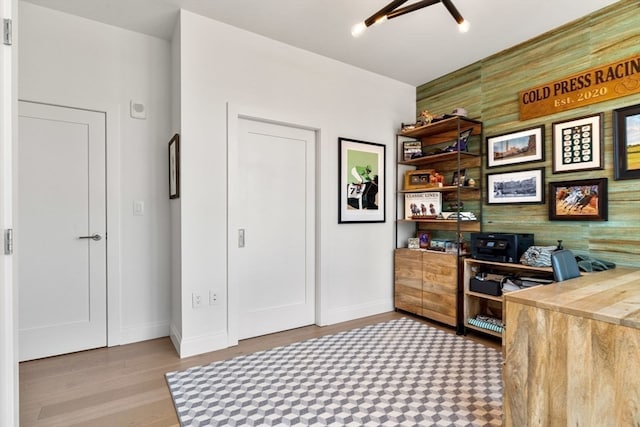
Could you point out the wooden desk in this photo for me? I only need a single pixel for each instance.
(572, 352)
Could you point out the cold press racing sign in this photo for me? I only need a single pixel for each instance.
(598, 84)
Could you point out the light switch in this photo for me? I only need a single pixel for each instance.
(138, 208)
(137, 110)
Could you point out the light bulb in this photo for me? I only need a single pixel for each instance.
(464, 26)
(358, 29)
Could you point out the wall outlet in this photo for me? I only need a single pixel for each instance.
(214, 297)
(196, 300)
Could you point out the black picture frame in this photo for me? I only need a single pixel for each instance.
(521, 187)
(459, 179)
(361, 181)
(517, 147)
(174, 167)
(578, 200)
(578, 144)
(626, 142)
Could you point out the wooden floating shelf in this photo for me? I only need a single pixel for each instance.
(447, 224)
(445, 189)
(451, 155)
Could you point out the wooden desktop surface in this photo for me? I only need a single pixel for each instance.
(611, 296)
(572, 352)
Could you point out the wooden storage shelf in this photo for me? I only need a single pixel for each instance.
(475, 303)
(438, 295)
(443, 130)
(485, 296)
(445, 189)
(437, 158)
(446, 224)
(511, 267)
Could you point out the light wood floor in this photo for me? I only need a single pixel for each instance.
(125, 385)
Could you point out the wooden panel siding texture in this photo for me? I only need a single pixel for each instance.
(488, 89)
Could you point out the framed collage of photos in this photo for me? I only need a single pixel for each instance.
(577, 144)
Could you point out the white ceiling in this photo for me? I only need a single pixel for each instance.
(415, 48)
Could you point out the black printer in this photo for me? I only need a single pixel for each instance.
(500, 247)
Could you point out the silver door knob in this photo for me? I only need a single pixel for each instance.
(96, 237)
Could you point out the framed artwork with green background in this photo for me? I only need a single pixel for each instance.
(361, 195)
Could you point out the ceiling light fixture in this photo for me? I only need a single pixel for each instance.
(393, 10)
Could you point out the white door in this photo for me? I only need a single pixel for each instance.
(273, 261)
(8, 296)
(61, 230)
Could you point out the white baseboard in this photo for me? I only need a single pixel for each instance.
(353, 312)
(176, 337)
(144, 332)
(192, 346)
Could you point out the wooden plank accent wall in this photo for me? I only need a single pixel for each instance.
(488, 89)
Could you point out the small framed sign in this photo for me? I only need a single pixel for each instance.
(422, 205)
(424, 239)
(418, 179)
(411, 149)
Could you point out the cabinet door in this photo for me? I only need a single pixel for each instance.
(408, 280)
(440, 287)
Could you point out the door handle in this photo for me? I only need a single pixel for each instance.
(241, 238)
(96, 237)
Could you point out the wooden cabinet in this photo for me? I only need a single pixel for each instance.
(408, 280)
(477, 303)
(572, 352)
(426, 284)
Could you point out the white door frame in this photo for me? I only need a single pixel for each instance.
(114, 275)
(234, 114)
(9, 409)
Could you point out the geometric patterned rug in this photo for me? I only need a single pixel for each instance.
(396, 373)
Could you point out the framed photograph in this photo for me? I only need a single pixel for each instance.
(582, 200)
(418, 179)
(361, 181)
(424, 239)
(626, 142)
(525, 186)
(411, 149)
(413, 243)
(522, 146)
(577, 144)
(459, 178)
(422, 205)
(174, 167)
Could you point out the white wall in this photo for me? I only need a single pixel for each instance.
(80, 63)
(264, 78)
(176, 238)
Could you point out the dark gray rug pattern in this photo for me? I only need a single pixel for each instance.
(397, 373)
